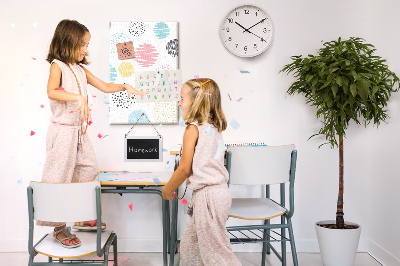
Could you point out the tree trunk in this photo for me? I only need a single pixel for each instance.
(339, 213)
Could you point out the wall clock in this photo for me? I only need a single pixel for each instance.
(247, 30)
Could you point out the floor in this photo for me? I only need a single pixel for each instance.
(155, 259)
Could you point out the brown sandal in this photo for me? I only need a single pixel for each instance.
(88, 227)
(68, 238)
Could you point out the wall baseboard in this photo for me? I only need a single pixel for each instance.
(381, 255)
(155, 245)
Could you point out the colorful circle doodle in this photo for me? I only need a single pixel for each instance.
(172, 47)
(126, 69)
(137, 114)
(136, 28)
(146, 55)
(161, 30)
(120, 99)
(117, 38)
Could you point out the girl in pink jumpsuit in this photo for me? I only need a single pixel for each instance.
(205, 240)
(69, 153)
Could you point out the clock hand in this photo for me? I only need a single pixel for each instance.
(262, 39)
(256, 24)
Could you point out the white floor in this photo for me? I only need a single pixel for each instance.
(155, 259)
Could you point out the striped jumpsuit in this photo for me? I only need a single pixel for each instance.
(64, 162)
(205, 240)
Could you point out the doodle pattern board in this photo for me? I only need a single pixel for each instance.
(154, 46)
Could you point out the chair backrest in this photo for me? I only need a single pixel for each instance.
(259, 165)
(70, 202)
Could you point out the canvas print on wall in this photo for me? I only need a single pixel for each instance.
(141, 46)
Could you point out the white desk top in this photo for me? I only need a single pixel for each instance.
(135, 178)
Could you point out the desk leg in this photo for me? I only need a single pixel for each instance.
(168, 226)
(174, 231)
(165, 228)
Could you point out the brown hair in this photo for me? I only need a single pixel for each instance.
(206, 103)
(67, 40)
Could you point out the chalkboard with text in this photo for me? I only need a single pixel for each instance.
(143, 149)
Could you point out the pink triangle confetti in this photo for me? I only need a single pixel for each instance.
(94, 96)
(99, 136)
(33, 58)
(32, 133)
(196, 76)
(89, 123)
(229, 97)
(130, 206)
(184, 202)
(41, 106)
(71, 112)
(59, 89)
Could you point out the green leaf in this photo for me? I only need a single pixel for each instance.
(345, 80)
(374, 89)
(353, 89)
(309, 77)
(333, 69)
(334, 88)
(354, 74)
(325, 84)
(339, 80)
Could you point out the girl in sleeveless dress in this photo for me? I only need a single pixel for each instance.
(69, 153)
(205, 240)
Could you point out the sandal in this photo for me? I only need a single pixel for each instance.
(85, 227)
(68, 238)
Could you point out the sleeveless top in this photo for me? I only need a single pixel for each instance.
(61, 110)
(207, 171)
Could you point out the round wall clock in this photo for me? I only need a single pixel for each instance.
(247, 30)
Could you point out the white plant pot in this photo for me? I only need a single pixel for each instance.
(338, 247)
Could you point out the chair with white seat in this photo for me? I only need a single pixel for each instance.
(263, 165)
(49, 202)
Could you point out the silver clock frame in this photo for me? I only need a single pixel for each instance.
(252, 55)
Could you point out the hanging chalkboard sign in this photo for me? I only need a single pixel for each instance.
(143, 149)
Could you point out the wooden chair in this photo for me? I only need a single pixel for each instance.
(68, 203)
(263, 165)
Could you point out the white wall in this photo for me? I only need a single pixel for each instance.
(266, 113)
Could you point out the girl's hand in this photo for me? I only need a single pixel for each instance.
(131, 90)
(168, 196)
(83, 106)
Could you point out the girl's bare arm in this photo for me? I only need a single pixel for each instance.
(185, 165)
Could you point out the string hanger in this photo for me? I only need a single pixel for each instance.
(143, 114)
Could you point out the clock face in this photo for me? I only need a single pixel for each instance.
(247, 31)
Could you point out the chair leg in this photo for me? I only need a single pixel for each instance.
(283, 243)
(115, 251)
(292, 244)
(30, 261)
(50, 259)
(265, 247)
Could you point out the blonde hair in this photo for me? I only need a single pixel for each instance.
(205, 103)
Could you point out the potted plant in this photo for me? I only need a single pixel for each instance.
(344, 81)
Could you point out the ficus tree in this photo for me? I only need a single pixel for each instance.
(344, 81)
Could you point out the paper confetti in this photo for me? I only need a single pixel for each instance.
(59, 89)
(234, 124)
(156, 181)
(94, 96)
(71, 112)
(244, 71)
(32, 133)
(226, 75)
(160, 126)
(212, 133)
(89, 123)
(20, 181)
(99, 136)
(41, 106)
(105, 100)
(104, 136)
(208, 129)
(229, 97)
(184, 202)
(220, 150)
(33, 58)
(181, 122)
(164, 150)
(69, 228)
(167, 167)
(40, 164)
(196, 76)
(167, 162)
(240, 99)
(130, 206)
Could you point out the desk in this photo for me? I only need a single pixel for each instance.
(143, 183)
